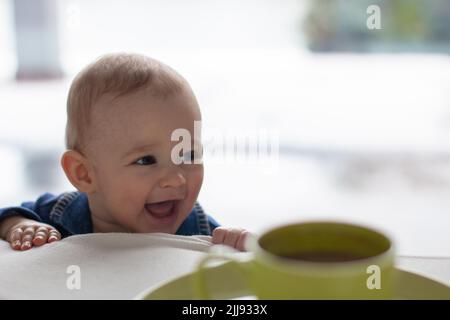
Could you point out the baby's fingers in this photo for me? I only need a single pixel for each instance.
(54, 235)
(226, 236)
(231, 237)
(240, 244)
(218, 235)
(15, 238)
(41, 236)
(27, 237)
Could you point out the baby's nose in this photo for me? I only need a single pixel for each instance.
(173, 179)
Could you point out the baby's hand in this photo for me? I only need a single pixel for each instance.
(232, 237)
(24, 233)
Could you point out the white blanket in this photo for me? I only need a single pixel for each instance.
(111, 266)
(120, 266)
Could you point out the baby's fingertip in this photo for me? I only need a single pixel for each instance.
(52, 239)
(38, 241)
(16, 245)
(240, 245)
(218, 235)
(26, 245)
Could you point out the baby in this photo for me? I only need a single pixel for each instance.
(122, 112)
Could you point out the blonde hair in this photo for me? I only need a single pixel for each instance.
(118, 74)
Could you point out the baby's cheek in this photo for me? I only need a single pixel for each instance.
(195, 179)
(194, 186)
(130, 195)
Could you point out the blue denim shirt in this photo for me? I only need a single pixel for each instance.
(69, 213)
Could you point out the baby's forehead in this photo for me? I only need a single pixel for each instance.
(140, 116)
(145, 100)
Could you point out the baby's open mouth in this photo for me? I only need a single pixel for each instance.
(163, 210)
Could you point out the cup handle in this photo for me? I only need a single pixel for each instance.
(230, 279)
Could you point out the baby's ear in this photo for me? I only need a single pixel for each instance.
(76, 168)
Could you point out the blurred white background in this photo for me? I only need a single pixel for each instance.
(364, 136)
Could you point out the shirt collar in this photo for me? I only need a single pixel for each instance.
(76, 218)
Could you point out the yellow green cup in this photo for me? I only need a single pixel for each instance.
(313, 260)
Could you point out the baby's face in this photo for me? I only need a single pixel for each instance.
(131, 150)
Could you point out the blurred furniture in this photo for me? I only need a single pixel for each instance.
(37, 45)
(406, 26)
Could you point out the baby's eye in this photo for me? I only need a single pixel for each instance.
(146, 161)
